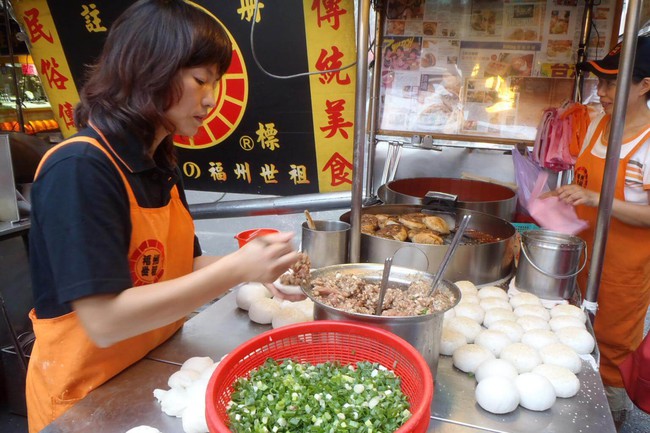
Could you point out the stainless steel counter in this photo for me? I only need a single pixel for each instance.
(127, 400)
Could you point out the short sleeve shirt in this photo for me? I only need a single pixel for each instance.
(80, 223)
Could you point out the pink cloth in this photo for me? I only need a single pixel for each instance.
(552, 213)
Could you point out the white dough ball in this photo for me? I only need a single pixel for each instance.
(207, 373)
(532, 322)
(522, 356)
(469, 328)
(449, 314)
(492, 291)
(568, 310)
(468, 299)
(495, 367)
(497, 395)
(579, 339)
(565, 383)
(451, 340)
(183, 378)
(466, 287)
(533, 310)
(194, 420)
(559, 322)
(524, 299)
(143, 429)
(535, 391)
(512, 329)
(467, 358)
(562, 355)
(197, 363)
(471, 311)
(496, 315)
(492, 340)
(493, 302)
(538, 338)
(288, 316)
(262, 310)
(172, 402)
(248, 292)
(306, 306)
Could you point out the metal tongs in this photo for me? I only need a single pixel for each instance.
(450, 252)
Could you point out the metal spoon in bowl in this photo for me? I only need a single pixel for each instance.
(384, 285)
(450, 252)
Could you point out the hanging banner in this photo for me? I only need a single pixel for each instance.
(267, 134)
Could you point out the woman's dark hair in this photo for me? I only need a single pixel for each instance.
(136, 77)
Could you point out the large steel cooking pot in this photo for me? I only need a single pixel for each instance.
(481, 263)
(490, 198)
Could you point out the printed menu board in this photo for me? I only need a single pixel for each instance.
(482, 68)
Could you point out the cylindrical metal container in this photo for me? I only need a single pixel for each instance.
(481, 263)
(476, 195)
(422, 332)
(327, 243)
(549, 263)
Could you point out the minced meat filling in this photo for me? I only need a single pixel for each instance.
(298, 273)
(353, 294)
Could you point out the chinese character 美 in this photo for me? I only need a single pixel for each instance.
(332, 11)
(335, 122)
(266, 134)
(65, 113)
(339, 168)
(326, 63)
(54, 77)
(217, 172)
(243, 171)
(268, 173)
(35, 28)
(91, 16)
(247, 10)
(298, 174)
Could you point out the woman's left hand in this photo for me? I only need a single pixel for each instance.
(577, 195)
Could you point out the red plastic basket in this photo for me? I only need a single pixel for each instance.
(321, 341)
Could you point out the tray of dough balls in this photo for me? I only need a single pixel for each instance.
(518, 352)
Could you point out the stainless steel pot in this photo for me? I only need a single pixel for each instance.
(480, 263)
(422, 332)
(490, 198)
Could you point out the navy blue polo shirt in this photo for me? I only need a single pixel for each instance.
(80, 222)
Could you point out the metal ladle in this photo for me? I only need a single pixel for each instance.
(450, 252)
(384, 285)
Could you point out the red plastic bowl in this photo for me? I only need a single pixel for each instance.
(321, 341)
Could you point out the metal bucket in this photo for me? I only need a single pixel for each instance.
(549, 263)
(422, 332)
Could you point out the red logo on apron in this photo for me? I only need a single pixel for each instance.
(581, 176)
(147, 262)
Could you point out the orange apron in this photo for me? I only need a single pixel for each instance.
(65, 364)
(624, 292)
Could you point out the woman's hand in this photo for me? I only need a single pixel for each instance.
(265, 258)
(577, 195)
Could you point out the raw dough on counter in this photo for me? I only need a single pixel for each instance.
(262, 310)
(538, 338)
(578, 339)
(468, 299)
(183, 378)
(469, 328)
(533, 310)
(466, 287)
(495, 367)
(450, 340)
(492, 291)
(494, 302)
(143, 429)
(530, 323)
(198, 363)
(522, 356)
(535, 391)
(492, 340)
(565, 383)
(288, 316)
(497, 394)
(559, 322)
(568, 310)
(467, 358)
(524, 298)
(512, 329)
(496, 315)
(471, 311)
(287, 289)
(250, 292)
(562, 355)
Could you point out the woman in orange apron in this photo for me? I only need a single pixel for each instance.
(115, 263)
(624, 293)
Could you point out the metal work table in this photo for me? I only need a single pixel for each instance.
(127, 400)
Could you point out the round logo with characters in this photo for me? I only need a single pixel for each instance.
(147, 262)
(231, 97)
(581, 177)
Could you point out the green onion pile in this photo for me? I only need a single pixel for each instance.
(300, 397)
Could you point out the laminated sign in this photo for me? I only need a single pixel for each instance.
(267, 134)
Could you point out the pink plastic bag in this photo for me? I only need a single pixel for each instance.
(552, 213)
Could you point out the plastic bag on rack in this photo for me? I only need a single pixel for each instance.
(526, 174)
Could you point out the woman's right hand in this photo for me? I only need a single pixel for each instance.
(265, 258)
